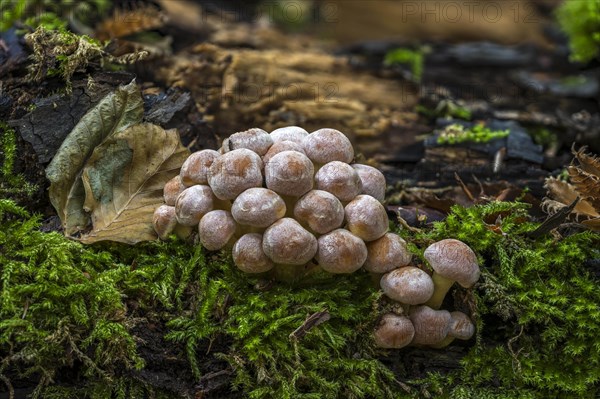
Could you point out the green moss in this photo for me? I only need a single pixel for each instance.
(11, 184)
(538, 306)
(50, 14)
(581, 22)
(65, 304)
(456, 134)
(414, 59)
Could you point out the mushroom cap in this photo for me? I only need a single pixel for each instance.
(373, 181)
(461, 326)
(258, 207)
(454, 260)
(393, 331)
(234, 172)
(195, 168)
(281, 146)
(248, 254)
(164, 221)
(340, 179)
(255, 139)
(320, 210)
(431, 326)
(216, 229)
(387, 253)
(366, 217)
(289, 173)
(193, 203)
(287, 242)
(326, 145)
(172, 189)
(340, 251)
(409, 285)
(289, 133)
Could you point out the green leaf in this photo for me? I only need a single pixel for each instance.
(116, 112)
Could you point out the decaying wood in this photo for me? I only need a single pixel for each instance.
(239, 88)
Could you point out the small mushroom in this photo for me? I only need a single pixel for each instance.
(340, 179)
(287, 242)
(409, 285)
(193, 203)
(216, 229)
(327, 145)
(340, 251)
(394, 332)
(366, 218)
(373, 181)
(461, 327)
(289, 173)
(164, 221)
(289, 133)
(282, 146)
(234, 172)
(321, 211)
(249, 256)
(452, 260)
(431, 326)
(255, 139)
(195, 168)
(387, 253)
(172, 189)
(258, 207)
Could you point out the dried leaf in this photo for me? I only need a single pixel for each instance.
(116, 112)
(124, 180)
(565, 194)
(586, 184)
(588, 162)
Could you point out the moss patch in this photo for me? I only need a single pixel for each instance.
(68, 308)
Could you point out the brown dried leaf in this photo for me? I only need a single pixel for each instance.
(128, 22)
(588, 162)
(562, 194)
(124, 180)
(586, 184)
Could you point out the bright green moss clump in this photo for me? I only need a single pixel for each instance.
(581, 22)
(456, 134)
(539, 306)
(64, 304)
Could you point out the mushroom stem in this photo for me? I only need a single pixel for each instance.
(287, 273)
(441, 285)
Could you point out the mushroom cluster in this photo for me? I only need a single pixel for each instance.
(420, 321)
(284, 200)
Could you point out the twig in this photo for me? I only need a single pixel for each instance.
(311, 322)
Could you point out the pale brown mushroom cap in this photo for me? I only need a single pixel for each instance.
(164, 221)
(431, 326)
(281, 146)
(193, 203)
(366, 217)
(289, 173)
(340, 179)
(394, 332)
(248, 254)
(326, 145)
(255, 139)
(341, 252)
(258, 207)
(387, 253)
(234, 172)
(373, 181)
(289, 133)
(195, 168)
(321, 211)
(461, 326)
(172, 189)
(216, 229)
(453, 260)
(409, 285)
(287, 242)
